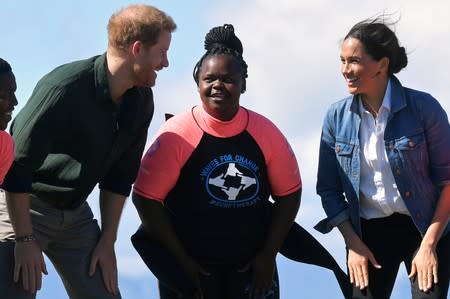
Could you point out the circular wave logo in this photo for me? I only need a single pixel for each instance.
(232, 183)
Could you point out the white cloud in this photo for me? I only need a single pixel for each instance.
(292, 51)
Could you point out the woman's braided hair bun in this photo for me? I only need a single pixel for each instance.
(223, 36)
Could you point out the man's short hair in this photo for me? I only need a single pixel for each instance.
(138, 22)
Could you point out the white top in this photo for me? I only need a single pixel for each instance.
(379, 195)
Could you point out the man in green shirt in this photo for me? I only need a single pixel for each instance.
(85, 123)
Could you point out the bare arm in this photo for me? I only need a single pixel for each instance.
(29, 261)
(263, 264)
(111, 206)
(359, 256)
(19, 212)
(284, 213)
(157, 224)
(425, 263)
(440, 220)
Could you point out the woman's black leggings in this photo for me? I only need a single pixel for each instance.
(394, 240)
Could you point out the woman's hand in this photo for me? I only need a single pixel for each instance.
(262, 268)
(425, 263)
(359, 256)
(425, 266)
(194, 270)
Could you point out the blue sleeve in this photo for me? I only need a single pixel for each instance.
(329, 184)
(437, 134)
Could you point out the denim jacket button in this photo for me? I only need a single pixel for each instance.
(411, 143)
(407, 194)
(398, 172)
(418, 215)
(338, 149)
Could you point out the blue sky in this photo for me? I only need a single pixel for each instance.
(292, 49)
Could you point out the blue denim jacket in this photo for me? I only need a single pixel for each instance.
(417, 142)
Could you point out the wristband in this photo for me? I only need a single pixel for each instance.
(28, 238)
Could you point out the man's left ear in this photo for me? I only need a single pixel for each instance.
(136, 47)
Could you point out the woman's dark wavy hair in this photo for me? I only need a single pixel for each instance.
(380, 41)
(222, 40)
(4, 66)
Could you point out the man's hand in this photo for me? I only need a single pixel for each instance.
(105, 257)
(29, 265)
(111, 206)
(28, 259)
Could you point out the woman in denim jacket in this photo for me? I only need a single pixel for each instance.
(384, 171)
